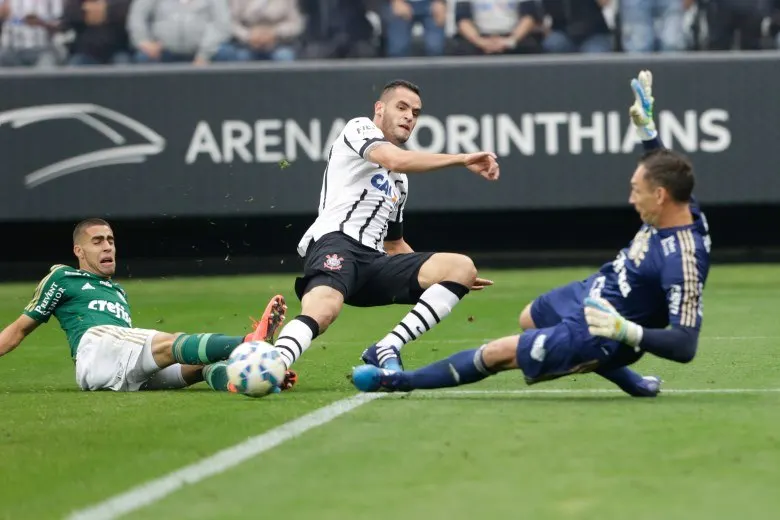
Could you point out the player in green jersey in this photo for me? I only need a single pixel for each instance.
(109, 353)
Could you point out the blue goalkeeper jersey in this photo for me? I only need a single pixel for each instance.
(659, 278)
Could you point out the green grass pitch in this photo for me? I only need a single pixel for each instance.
(499, 453)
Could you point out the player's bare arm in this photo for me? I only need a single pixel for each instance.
(395, 115)
(397, 159)
(15, 333)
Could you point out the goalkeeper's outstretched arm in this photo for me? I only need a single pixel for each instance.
(677, 343)
(642, 111)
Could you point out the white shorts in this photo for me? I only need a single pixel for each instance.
(120, 359)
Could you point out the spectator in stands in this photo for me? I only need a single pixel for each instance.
(178, 30)
(100, 31)
(726, 17)
(27, 34)
(399, 18)
(653, 25)
(264, 30)
(774, 27)
(496, 27)
(574, 26)
(337, 29)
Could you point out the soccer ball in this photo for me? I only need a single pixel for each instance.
(255, 368)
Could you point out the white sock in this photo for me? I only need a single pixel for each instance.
(295, 338)
(148, 364)
(434, 305)
(169, 378)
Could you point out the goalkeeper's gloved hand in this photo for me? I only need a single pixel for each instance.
(641, 111)
(603, 320)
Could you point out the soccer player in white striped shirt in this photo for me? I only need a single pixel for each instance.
(355, 252)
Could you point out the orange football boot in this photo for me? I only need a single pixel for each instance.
(265, 329)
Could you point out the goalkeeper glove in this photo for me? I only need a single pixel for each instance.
(641, 111)
(603, 320)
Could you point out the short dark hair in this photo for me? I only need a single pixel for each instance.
(400, 83)
(669, 170)
(84, 224)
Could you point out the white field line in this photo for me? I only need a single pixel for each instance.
(588, 391)
(157, 489)
(477, 341)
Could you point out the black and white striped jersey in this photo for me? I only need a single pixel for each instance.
(358, 198)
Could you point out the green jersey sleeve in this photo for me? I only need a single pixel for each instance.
(48, 295)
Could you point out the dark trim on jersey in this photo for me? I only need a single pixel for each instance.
(352, 209)
(368, 143)
(325, 179)
(382, 234)
(652, 144)
(401, 201)
(369, 219)
(346, 141)
(395, 227)
(395, 231)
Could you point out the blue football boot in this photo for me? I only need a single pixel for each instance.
(650, 386)
(368, 378)
(388, 358)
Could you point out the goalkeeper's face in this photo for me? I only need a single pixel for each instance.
(398, 111)
(96, 251)
(645, 197)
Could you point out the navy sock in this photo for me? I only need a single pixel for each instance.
(625, 378)
(462, 368)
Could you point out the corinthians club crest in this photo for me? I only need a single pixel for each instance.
(333, 262)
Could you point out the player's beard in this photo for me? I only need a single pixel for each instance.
(402, 135)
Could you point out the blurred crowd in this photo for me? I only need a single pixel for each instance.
(40, 33)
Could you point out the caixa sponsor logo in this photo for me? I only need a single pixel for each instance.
(111, 125)
(381, 183)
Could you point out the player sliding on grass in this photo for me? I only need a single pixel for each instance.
(355, 252)
(608, 321)
(109, 353)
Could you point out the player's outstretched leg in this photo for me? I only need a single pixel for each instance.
(320, 306)
(463, 368)
(194, 350)
(632, 383)
(471, 366)
(216, 377)
(446, 278)
(204, 349)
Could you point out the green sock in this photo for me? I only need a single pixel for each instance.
(203, 349)
(216, 376)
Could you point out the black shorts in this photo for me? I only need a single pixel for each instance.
(366, 277)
